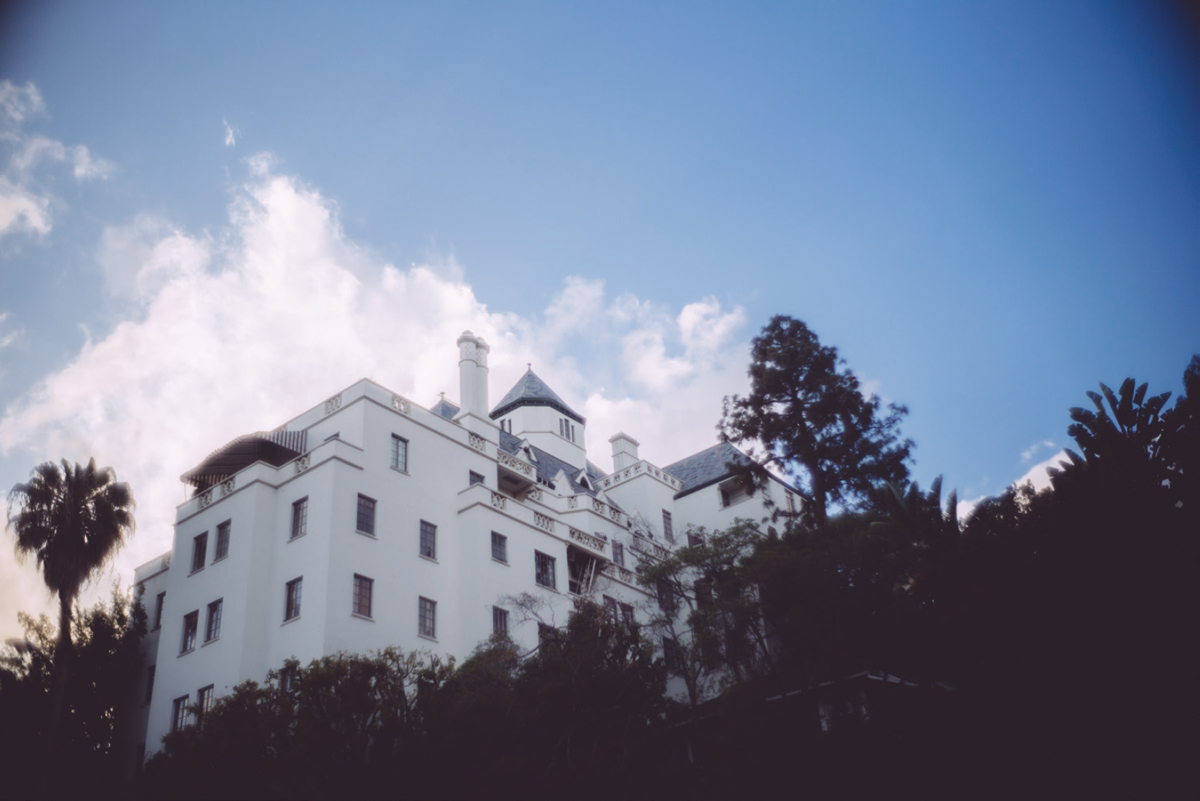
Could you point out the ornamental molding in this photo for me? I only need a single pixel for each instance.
(542, 521)
(333, 404)
(499, 501)
(205, 498)
(477, 442)
(303, 463)
(593, 542)
(508, 460)
(227, 485)
(401, 405)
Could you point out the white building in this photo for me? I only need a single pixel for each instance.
(369, 521)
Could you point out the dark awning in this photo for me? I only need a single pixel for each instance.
(273, 447)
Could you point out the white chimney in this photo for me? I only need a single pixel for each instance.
(468, 375)
(481, 377)
(624, 451)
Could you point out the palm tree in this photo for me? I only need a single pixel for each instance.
(74, 519)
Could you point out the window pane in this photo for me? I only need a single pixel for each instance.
(399, 453)
(199, 551)
(499, 620)
(668, 529)
(428, 540)
(363, 587)
(366, 515)
(300, 518)
(427, 617)
(499, 547)
(618, 554)
(222, 541)
(293, 599)
(212, 628)
(544, 569)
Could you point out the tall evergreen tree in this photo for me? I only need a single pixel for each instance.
(807, 415)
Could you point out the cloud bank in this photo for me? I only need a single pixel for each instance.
(242, 328)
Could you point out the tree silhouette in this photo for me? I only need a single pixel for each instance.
(808, 414)
(73, 520)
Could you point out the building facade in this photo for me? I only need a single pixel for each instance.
(369, 521)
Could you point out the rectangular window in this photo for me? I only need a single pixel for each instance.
(179, 712)
(399, 453)
(791, 502)
(610, 607)
(694, 540)
(546, 634)
(366, 515)
(190, 621)
(668, 529)
(212, 628)
(428, 540)
(499, 620)
(666, 595)
(300, 518)
(363, 587)
(474, 478)
(618, 554)
(199, 551)
(158, 609)
(627, 615)
(704, 593)
(735, 490)
(544, 569)
(671, 655)
(204, 700)
(499, 547)
(427, 617)
(149, 683)
(292, 599)
(222, 541)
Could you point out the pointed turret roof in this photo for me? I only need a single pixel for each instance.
(532, 391)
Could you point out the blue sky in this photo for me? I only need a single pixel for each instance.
(213, 215)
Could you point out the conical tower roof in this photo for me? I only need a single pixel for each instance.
(532, 391)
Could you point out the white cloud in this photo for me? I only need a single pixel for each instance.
(9, 337)
(22, 209)
(231, 134)
(245, 328)
(23, 206)
(18, 103)
(1029, 452)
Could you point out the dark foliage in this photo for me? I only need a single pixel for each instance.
(92, 737)
(808, 415)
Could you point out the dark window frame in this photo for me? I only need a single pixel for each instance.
(222, 549)
(399, 454)
(427, 617)
(544, 573)
(299, 518)
(191, 623)
(212, 622)
(428, 541)
(500, 542)
(364, 520)
(293, 594)
(364, 595)
(199, 551)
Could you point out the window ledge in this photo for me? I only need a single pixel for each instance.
(501, 561)
(195, 571)
(428, 558)
(401, 472)
(298, 536)
(206, 642)
(366, 534)
(362, 617)
(547, 587)
(427, 637)
(220, 559)
(185, 653)
(289, 620)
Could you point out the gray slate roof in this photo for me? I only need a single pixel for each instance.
(706, 467)
(532, 391)
(445, 408)
(548, 465)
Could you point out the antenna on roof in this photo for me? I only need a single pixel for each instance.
(529, 365)
(442, 395)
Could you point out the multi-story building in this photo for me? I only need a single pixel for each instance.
(369, 521)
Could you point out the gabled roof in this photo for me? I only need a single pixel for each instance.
(532, 391)
(547, 466)
(706, 467)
